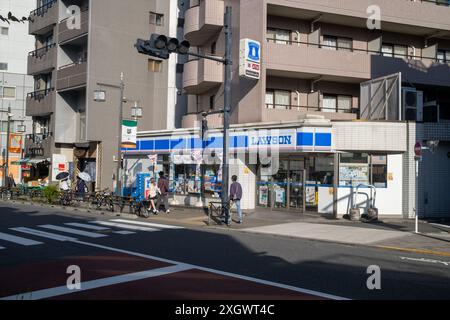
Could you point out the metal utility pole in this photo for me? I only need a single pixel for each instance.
(121, 86)
(226, 113)
(119, 145)
(8, 133)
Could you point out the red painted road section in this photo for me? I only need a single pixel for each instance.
(50, 274)
(190, 285)
(187, 285)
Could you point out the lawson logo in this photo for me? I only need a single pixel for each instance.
(286, 140)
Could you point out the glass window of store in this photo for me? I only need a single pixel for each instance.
(362, 168)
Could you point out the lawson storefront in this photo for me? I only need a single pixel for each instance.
(279, 167)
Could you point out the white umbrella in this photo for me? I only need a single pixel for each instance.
(85, 177)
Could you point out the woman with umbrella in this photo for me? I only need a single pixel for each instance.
(64, 182)
(81, 187)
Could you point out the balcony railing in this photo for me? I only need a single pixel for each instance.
(38, 138)
(340, 48)
(309, 108)
(39, 53)
(43, 9)
(40, 95)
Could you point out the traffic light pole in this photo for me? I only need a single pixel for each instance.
(226, 114)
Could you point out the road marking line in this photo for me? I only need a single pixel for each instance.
(18, 240)
(99, 283)
(2, 248)
(74, 231)
(124, 232)
(86, 226)
(125, 226)
(43, 234)
(437, 253)
(251, 279)
(156, 225)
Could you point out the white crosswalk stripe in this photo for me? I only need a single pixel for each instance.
(73, 231)
(125, 226)
(123, 232)
(43, 234)
(18, 240)
(148, 224)
(86, 226)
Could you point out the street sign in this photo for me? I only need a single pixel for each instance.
(250, 59)
(129, 134)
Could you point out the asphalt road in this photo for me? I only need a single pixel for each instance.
(134, 259)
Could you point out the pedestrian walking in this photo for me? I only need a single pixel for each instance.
(163, 186)
(235, 197)
(153, 196)
(10, 182)
(81, 187)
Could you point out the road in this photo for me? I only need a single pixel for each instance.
(136, 259)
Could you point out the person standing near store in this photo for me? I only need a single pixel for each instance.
(236, 196)
(163, 186)
(153, 193)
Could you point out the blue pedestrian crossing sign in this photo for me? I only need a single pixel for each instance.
(250, 59)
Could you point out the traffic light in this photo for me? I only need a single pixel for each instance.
(160, 46)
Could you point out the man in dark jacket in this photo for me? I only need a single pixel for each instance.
(163, 186)
(236, 196)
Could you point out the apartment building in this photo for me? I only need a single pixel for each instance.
(348, 101)
(15, 43)
(83, 46)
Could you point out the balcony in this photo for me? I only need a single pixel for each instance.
(41, 103)
(202, 75)
(310, 61)
(203, 21)
(44, 18)
(38, 145)
(420, 17)
(290, 113)
(72, 76)
(42, 60)
(68, 35)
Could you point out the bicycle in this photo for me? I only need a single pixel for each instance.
(216, 212)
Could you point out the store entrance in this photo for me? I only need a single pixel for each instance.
(285, 189)
(295, 185)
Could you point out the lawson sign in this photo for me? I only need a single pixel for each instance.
(250, 59)
(302, 139)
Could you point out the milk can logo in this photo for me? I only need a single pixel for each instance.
(374, 17)
(74, 20)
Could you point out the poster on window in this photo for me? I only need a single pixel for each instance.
(280, 195)
(353, 174)
(263, 195)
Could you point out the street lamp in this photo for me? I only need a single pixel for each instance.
(136, 111)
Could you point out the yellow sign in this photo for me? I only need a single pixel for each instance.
(390, 176)
(246, 170)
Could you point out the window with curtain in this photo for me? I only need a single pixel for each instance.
(329, 43)
(269, 100)
(345, 44)
(344, 103)
(387, 50)
(400, 51)
(329, 103)
(279, 36)
(278, 99)
(282, 99)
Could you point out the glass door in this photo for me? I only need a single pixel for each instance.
(296, 185)
(280, 186)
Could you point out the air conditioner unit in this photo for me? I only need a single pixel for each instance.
(412, 104)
